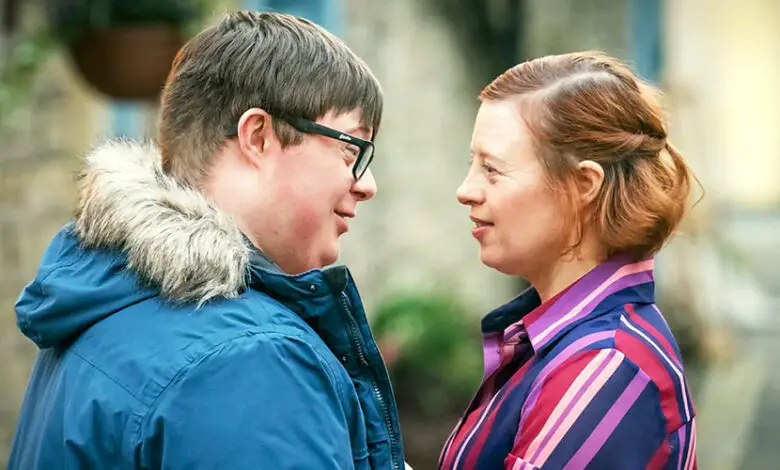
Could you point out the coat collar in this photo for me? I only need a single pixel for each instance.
(617, 281)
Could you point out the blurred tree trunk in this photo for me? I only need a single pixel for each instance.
(489, 32)
(9, 15)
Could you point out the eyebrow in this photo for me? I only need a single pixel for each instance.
(486, 156)
(356, 129)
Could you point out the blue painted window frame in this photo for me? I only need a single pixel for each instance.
(647, 38)
(326, 13)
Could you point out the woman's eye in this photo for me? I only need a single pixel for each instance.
(489, 169)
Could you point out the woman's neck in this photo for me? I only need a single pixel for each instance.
(561, 275)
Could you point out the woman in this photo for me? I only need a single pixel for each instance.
(574, 186)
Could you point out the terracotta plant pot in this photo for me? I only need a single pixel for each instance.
(129, 63)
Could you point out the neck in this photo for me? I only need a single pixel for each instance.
(238, 193)
(568, 268)
(224, 186)
(561, 275)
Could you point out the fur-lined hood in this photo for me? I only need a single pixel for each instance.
(137, 234)
(174, 238)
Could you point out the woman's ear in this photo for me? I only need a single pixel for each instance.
(590, 178)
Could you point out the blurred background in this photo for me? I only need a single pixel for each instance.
(76, 72)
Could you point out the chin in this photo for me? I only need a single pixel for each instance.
(331, 255)
(490, 261)
(499, 263)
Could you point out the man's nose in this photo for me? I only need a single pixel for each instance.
(365, 187)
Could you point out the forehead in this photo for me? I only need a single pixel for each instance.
(500, 131)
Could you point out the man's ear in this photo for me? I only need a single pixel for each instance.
(590, 178)
(256, 136)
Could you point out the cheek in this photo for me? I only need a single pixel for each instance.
(309, 196)
(533, 220)
(314, 173)
(304, 210)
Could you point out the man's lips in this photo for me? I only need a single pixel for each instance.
(342, 221)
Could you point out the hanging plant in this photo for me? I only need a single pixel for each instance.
(124, 49)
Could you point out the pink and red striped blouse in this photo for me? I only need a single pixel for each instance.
(591, 379)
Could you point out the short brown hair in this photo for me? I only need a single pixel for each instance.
(589, 106)
(284, 64)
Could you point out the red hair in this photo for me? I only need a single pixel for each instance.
(589, 106)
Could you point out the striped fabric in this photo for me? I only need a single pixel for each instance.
(591, 379)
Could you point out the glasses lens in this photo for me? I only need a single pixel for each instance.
(361, 166)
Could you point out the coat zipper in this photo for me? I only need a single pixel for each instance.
(354, 337)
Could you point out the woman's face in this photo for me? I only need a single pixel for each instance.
(518, 220)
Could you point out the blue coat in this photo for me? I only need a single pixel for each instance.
(135, 373)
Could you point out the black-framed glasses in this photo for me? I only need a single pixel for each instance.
(364, 148)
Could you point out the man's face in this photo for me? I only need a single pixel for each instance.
(312, 197)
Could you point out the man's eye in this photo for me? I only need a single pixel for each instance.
(353, 151)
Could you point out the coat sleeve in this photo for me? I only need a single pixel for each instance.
(255, 402)
(596, 410)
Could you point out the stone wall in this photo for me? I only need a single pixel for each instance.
(560, 26)
(415, 235)
(41, 145)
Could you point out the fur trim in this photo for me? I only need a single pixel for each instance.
(174, 238)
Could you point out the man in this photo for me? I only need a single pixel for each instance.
(184, 317)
